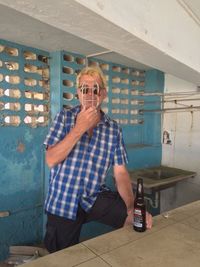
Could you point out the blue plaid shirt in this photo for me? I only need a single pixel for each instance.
(81, 176)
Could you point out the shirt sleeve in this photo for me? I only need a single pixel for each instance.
(57, 131)
(120, 156)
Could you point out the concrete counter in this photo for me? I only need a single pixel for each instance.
(174, 241)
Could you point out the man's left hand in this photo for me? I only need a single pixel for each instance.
(149, 220)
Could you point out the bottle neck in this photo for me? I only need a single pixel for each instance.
(140, 190)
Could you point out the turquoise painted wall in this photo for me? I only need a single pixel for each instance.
(21, 190)
(21, 157)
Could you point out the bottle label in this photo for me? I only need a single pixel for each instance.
(138, 220)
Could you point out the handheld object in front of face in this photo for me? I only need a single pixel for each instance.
(90, 95)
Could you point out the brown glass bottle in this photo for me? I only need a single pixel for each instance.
(139, 219)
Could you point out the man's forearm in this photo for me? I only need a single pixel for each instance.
(124, 186)
(126, 192)
(57, 153)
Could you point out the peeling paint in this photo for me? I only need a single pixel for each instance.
(28, 136)
(20, 147)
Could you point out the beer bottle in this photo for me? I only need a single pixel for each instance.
(139, 219)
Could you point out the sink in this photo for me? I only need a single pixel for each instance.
(156, 174)
(160, 177)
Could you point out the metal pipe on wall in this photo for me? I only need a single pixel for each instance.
(185, 109)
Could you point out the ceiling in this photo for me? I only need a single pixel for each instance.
(16, 26)
(23, 29)
(193, 7)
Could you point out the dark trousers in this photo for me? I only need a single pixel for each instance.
(109, 209)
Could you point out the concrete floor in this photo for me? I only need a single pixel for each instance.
(174, 240)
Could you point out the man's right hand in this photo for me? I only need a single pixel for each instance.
(87, 119)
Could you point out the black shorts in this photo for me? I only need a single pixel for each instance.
(109, 209)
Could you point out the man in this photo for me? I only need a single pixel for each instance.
(82, 145)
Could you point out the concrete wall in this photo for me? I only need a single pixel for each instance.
(21, 156)
(183, 151)
(162, 34)
(151, 29)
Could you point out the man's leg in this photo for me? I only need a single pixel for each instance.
(61, 232)
(109, 209)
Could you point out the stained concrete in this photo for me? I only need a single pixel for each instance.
(174, 241)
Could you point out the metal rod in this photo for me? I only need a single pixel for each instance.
(170, 94)
(99, 54)
(175, 100)
(172, 109)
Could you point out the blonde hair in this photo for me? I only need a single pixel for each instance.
(92, 71)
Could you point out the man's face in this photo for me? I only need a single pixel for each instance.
(90, 92)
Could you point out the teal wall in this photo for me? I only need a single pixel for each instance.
(21, 159)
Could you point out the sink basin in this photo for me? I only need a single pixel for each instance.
(160, 173)
(160, 177)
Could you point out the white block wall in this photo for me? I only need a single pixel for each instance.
(184, 150)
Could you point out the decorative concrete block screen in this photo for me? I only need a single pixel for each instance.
(126, 86)
(24, 86)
